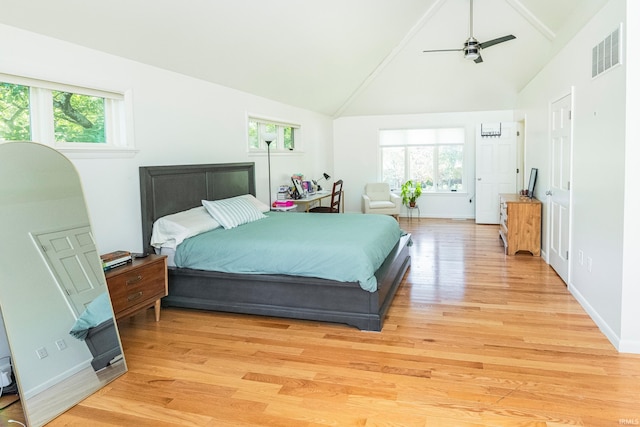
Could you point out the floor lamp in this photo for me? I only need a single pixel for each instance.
(268, 139)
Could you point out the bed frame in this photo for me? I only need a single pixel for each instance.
(168, 189)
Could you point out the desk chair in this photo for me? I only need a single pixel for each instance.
(336, 196)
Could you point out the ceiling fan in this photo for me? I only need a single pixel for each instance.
(472, 47)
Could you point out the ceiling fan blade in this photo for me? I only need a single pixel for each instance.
(442, 50)
(496, 41)
(478, 59)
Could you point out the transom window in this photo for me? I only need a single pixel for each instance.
(432, 157)
(285, 135)
(61, 116)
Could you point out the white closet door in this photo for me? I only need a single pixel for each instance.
(559, 192)
(496, 172)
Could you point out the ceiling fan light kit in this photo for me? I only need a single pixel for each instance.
(472, 47)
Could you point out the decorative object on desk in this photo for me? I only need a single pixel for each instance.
(309, 188)
(283, 203)
(268, 139)
(298, 191)
(410, 192)
(336, 197)
(324, 176)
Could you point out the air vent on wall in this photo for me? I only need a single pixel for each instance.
(606, 54)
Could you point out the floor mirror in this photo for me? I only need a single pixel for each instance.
(60, 341)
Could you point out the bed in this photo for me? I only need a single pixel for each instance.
(165, 190)
(95, 326)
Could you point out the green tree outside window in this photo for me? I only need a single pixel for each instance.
(15, 121)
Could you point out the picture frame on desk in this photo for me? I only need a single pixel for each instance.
(297, 183)
(308, 187)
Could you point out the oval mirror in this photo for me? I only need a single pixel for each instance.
(61, 342)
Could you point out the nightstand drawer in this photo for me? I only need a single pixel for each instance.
(137, 286)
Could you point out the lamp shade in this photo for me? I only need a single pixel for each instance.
(269, 137)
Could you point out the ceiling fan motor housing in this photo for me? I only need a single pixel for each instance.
(471, 48)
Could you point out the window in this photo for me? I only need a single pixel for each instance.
(432, 157)
(78, 118)
(286, 135)
(15, 120)
(61, 116)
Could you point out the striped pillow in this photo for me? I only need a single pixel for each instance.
(232, 212)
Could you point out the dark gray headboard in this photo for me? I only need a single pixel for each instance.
(169, 189)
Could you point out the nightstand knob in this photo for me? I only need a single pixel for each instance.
(134, 280)
(135, 296)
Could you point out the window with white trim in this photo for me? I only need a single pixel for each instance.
(61, 116)
(432, 157)
(286, 135)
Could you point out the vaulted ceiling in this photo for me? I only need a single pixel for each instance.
(336, 57)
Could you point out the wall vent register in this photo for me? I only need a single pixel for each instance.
(607, 53)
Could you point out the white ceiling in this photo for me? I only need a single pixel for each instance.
(336, 57)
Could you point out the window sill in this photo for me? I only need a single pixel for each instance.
(98, 153)
(276, 153)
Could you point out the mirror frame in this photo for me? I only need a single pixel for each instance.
(41, 191)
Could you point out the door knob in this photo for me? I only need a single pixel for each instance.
(479, 179)
(549, 193)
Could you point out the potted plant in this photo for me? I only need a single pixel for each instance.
(409, 192)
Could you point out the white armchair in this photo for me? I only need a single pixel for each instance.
(378, 199)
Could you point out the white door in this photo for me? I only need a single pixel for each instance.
(496, 172)
(72, 259)
(560, 186)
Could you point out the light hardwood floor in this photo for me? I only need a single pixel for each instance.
(473, 338)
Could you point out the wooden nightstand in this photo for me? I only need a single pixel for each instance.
(138, 285)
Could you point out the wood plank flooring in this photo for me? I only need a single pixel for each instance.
(473, 338)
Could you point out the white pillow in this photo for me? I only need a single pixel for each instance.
(257, 203)
(171, 230)
(232, 212)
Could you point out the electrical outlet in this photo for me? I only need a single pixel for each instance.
(61, 344)
(42, 352)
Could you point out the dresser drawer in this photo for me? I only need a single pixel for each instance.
(137, 286)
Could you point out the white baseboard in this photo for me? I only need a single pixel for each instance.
(600, 322)
(58, 378)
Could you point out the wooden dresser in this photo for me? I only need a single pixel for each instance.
(520, 220)
(138, 285)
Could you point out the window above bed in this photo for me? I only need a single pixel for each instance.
(287, 135)
(71, 119)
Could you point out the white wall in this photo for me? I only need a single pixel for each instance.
(177, 120)
(598, 176)
(357, 162)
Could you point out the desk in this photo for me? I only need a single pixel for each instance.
(307, 202)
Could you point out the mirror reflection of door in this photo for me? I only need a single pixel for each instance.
(61, 352)
(71, 255)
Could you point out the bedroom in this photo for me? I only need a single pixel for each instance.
(218, 117)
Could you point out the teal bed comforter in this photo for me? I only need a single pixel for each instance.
(341, 247)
